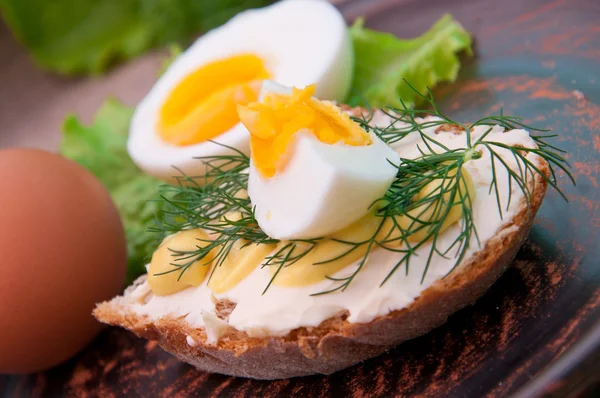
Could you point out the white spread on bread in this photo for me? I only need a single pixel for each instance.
(191, 342)
(282, 309)
(215, 327)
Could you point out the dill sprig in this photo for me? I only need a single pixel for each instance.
(218, 202)
(406, 121)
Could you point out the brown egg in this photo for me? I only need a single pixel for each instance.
(62, 249)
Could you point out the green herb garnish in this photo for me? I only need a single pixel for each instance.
(206, 202)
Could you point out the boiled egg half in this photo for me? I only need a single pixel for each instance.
(313, 171)
(295, 42)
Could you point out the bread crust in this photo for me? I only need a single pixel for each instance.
(336, 343)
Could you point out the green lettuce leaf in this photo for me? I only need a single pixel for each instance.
(86, 36)
(383, 61)
(101, 148)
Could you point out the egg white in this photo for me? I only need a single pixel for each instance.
(323, 188)
(302, 42)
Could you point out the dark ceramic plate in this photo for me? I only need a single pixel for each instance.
(534, 332)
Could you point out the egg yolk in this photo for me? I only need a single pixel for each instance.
(204, 104)
(273, 122)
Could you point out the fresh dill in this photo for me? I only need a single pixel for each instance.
(408, 220)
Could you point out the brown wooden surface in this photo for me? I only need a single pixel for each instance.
(535, 58)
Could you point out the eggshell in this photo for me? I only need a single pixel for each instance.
(62, 249)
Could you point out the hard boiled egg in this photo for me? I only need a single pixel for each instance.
(313, 171)
(295, 42)
(63, 250)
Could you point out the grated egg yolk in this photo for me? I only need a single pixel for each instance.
(204, 104)
(273, 123)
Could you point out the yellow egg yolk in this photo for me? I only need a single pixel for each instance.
(204, 104)
(273, 122)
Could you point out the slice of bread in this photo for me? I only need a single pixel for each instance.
(336, 343)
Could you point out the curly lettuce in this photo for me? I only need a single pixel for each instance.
(101, 148)
(383, 62)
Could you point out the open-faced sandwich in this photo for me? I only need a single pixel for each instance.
(302, 237)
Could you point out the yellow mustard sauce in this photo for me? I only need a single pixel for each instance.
(164, 277)
(333, 254)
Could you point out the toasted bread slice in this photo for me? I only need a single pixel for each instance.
(336, 343)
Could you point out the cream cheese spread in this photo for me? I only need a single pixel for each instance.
(282, 309)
